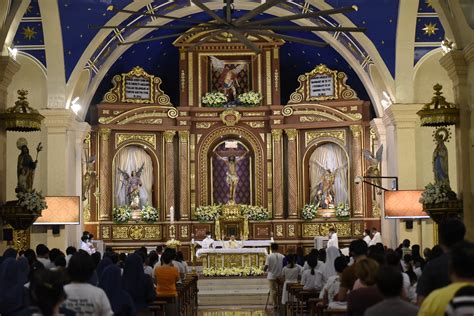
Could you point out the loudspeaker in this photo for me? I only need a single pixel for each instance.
(56, 229)
(8, 234)
(409, 224)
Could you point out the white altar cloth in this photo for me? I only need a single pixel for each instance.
(244, 243)
(202, 252)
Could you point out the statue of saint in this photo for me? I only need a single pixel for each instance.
(440, 158)
(89, 178)
(231, 177)
(245, 233)
(26, 166)
(228, 81)
(133, 184)
(326, 192)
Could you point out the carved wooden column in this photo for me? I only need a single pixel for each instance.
(169, 171)
(105, 176)
(277, 174)
(184, 175)
(357, 193)
(292, 174)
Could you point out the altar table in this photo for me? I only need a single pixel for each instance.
(232, 257)
(244, 243)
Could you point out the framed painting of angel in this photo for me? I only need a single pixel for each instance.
(230, 76)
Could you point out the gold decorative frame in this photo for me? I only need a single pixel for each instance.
(124, 138)
(117, 93)
(341, 89)
(230, 117)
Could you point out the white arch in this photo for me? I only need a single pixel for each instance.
(454, 22)
(11, 20)
(345, 53)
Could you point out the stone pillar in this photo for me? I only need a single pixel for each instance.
(358, 191)
(8, 68)
(460, 67)
(169, 171)
(277, 174)
(292, 174)
(105, 176)
(184, 175)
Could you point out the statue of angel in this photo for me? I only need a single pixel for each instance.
(132, 184)
(373, 170)
(228, 77)
(325, 194)
(89, 177)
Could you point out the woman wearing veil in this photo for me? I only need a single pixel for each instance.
(13, 294)
(111, 282)
(328, 269)
(138, 284)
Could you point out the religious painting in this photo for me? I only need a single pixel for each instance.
(231, 173)
(328, 171)
(229, 76)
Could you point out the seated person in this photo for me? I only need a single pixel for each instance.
(232, 243)
(207, 242)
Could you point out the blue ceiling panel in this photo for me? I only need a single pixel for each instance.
(29, 33)
(429, 29)
(33, 10)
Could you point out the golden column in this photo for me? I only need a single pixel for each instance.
(105, 177)
(292, 174)
(184, 175)
(277, 174)
(358, 191)
(169, 171)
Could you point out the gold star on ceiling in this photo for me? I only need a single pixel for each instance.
(430, 29)
(429, 4)
(29, 33)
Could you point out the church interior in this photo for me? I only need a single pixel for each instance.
(220, 128)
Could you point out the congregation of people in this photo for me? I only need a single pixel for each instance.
(84, 282)
(376, 280)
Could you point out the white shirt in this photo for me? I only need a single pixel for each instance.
(333, 241)
(148, 270)
(291, 274)
(376, 239)
(207, 243)
(367, 239)
(86, 299)
(46, 262)
(85, 246)
(312, 281)
(332, 287)
(274, 262)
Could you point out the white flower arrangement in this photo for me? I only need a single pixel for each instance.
(251, 98)
(208, 213)
(254, 212)
(32, 201)
(122, 214)
(149, 214)
(214, 99)
(436, 193)
(343, 211)
(309, 211)
(235, 271)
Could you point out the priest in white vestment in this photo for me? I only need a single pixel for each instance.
(333, 240)
(232, 243)
(207, 242)
(376, 237)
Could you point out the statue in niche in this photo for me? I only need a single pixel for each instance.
(26, 166)
(228, 78)
(440, 157)
(373, 170)
(89, 178)
(231, 177)
(325, 194)
(132, 184)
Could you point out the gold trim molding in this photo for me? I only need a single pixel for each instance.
(121, 138)
(336, 134)
(230, 117)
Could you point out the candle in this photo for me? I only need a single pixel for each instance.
(171, 215)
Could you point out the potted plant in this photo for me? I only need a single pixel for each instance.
(250, 98)
(214, 99)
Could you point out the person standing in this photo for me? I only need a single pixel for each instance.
(274, 267)
(333, 240)
(367, 238)
(207, 242)
(376, 237)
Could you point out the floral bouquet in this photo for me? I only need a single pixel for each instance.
(437, 193)
(309, 211)
(214, 99)
(149, 214)
(208, 213)
(343, 211)
(122, 214)
(255, 213)
(250, 98)
(32, 201)
(234, 271)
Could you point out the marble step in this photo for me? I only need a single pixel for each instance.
(232, 291)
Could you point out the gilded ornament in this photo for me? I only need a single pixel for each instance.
(287, 111)
(339, 135)
(343, 229)
(358, 228)
(438, 112)
(355, 116)
(276, 133)
(254, 114)
(230, 117)
(212, 114)
(105, 232)
(183, 81)
(121, 138)
(291, 230)
(204, 125)
(136, 232)
(151, 121)
(291, 134)
(21, 117)
(173, 113)
(184, 231)
(279, 230)
(276, 121)
(305, 119)
(183, 136)
(356, 130)
(86, 212)
(331, 116)
(152, 232)
(276, 77)
(310, 230)
(104, 133)
(21, 239)
(119, 232)
(376, 210)
(169, 136)
(256, 124)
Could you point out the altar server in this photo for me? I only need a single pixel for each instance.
(208, 242)
(333, 240)
(376, 237)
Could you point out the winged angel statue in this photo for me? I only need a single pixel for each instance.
(373, 170)
(90, 176)
(132, 184)
(228, 78)
(325, 194)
